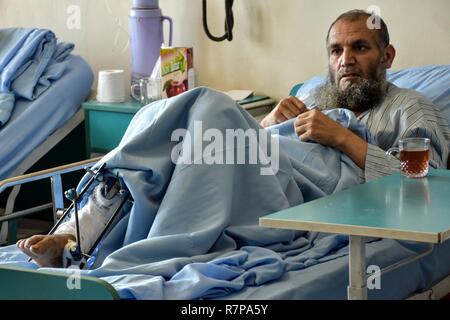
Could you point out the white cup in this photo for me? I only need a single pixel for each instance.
(111, 86)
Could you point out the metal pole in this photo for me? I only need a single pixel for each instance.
(88, 184)
(357, 289)
(57, 195)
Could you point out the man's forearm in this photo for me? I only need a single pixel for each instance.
(354, 147)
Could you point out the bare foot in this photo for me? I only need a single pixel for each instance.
(45, 250)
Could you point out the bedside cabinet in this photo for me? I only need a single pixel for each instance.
(106, 123)
(258, 106)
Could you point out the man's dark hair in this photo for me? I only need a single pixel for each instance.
(354, 15)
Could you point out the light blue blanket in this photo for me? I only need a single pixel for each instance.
(32, 122)
(192, 231)
(30, 59)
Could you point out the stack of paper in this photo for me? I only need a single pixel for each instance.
(238, 95)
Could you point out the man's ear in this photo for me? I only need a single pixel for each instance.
(389, 55)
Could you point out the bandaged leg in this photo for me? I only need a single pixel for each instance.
(94, 216)
(47, 250)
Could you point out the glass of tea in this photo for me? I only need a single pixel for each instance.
(414, 154)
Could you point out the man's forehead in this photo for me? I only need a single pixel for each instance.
(344, 30)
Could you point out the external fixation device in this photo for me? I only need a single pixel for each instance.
(72, 254)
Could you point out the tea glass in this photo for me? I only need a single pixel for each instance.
(414, 154)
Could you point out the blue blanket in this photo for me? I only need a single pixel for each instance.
(192, 231)
(30, 59)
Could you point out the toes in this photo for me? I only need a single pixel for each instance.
(33, 240)
(44, 249)
(23, 248)
(48, 244)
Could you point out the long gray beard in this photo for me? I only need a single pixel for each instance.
(357, 97)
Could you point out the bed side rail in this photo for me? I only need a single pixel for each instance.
(29, 284)
(54, 174)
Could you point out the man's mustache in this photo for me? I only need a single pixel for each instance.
(349, 72)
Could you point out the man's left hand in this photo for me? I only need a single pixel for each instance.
(314, 125)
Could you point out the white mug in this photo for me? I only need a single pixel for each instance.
(146, 90)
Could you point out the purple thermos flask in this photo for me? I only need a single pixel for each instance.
(146, 36)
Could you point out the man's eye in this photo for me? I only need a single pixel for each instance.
(336, 51)
(362, 48)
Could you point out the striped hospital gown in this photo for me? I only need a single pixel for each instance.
(403, 113)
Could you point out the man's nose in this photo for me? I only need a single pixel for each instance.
(347, 58)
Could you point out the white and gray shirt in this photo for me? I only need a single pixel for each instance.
(403, 113)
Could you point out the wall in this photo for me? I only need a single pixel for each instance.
(277, 43)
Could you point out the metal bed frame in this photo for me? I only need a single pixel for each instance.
(54, 174)
(58, 285)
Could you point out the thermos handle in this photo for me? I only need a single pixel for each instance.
(170, 28)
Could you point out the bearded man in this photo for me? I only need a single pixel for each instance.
(358, 60)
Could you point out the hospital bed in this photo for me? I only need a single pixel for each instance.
(38, 126)
(425, 278)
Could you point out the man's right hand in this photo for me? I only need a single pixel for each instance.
(286, 109)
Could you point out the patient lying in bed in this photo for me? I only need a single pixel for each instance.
(197, 196)
(237, 193)
(196, 218)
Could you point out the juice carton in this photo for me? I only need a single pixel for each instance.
(177, 69)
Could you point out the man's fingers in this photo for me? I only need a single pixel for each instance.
(302, 119)
(290, 105)
(287, 108)
(300, 129)
(287, 113)
(303, 133)
(298, 104)
(280, 118)
(304, 137)
(307, 116)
